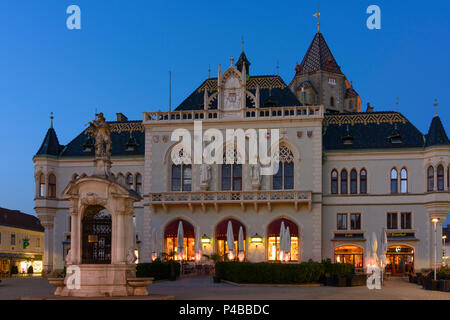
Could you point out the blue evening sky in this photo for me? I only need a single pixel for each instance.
(119, 61)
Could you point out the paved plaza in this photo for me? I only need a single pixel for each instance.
(202, 288)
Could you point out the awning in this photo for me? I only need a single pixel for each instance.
(348, 239)
(172, 229)
(221, 229)
(275, 226)
(21, 256)
(402, 239)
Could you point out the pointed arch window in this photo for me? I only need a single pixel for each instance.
(231, 173)
(363, 181)
(52, 186)
(394, 181)
(130, 181)
(284, 178)
(440, 178)
(139, 183)
(404, 181)
(344, 182)
(41, 185)
(430, 178)
(353, 182)
(334, 182)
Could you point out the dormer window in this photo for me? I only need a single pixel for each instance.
(131, 145)
(395, 138)
(88, 146)
(348, 139)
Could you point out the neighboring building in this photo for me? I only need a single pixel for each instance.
(21, 242)
(343, 174)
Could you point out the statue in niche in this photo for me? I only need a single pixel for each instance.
(255, 174)
(205, 176)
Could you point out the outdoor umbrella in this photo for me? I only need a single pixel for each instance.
(282, 235)
(383, 247)
(241, 244)
(180, 240)
(374, 248)
(287, 245)
(230, 241)
(154, 253)
(198, 250)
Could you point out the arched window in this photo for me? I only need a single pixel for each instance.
(42, 185)
(273, 239)
(181, 177)
(130, 182)
(430, 178)
(394, 181)
(332, 101)
(171, 240)
(363, 181)
(138, 183)
(231, 173)
(344, 183)
(52, 186)
(404, 181)
(284, 178)
(96, 236)
(353, 182)
(440, 178)
(221, 236)
(334, 182)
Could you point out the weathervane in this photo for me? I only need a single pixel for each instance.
(51, 119)
(209, 71)
(398, 100)
(435, 106)
(317, 15)
(242, 43)
(278, 66)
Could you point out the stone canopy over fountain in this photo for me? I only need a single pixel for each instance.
(102, 235)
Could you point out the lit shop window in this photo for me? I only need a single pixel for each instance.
(273, 240)
(171, 240)
(349, 254)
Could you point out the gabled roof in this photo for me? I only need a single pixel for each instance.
(50, 146)
(269, 85)
(17, 219)
(318, 57)
(370, 130)
(436, 134)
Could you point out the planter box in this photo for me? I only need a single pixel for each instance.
(341, 281)
(444, 285)
(426, 284)
(356, 280)
(435, 285)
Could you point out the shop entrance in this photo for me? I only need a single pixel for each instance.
(400, 260)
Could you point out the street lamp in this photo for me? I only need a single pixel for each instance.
(435, 221)
(444, 260)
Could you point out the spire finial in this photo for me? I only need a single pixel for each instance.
(278, 67)
(209, 71)
(51, 119)
(242, 43)
(435, 107)
(317, 15)
(231, 61)
(397, 102)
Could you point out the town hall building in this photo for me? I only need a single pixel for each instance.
(343, 174)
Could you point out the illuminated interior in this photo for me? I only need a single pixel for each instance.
(188, 248)
(349, 254)
(274, 249)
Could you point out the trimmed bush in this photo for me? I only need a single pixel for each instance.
(274, 273)
(14, 270)
(167, 270)
(30, 270)
(444, 274)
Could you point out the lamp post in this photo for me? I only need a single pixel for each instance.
(444, 261)
(435, 221)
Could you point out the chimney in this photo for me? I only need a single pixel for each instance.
(369, 108)
(121, 117)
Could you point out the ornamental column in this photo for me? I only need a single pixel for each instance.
(47, 218)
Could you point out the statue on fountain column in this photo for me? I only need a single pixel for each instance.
(205, 176)
(103, 145)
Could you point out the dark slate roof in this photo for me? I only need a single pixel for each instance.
(240, 62)
(436, 134)
(269, 85)
(17, 219)
(50, 145)
(120, 137)
(370, 130)
(318, 57)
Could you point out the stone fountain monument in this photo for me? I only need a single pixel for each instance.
(101, 260)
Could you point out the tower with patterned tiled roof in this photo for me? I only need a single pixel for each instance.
(319, 80)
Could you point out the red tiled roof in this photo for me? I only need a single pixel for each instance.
(17, 219)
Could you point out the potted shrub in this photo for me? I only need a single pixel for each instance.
(215, 258)
(30, 270)
(444, 279)
(14, 270)
(170, 259)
